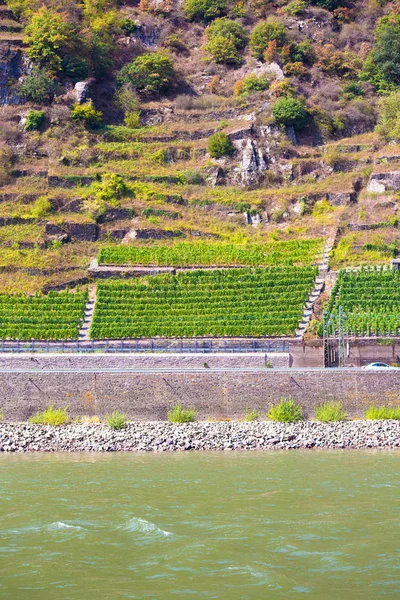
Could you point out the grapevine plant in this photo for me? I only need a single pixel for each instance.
(232, 302)
(370, 299)
(55, 316)
(219, 254)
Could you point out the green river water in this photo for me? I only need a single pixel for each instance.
(232, 526)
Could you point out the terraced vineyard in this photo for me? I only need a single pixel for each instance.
(53, 317)
(185, 254)
(370, 300)
(242, 302)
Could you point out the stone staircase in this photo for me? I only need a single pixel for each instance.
(319, 285)
(89, 310)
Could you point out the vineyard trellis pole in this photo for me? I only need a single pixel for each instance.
(342, 355)
(325, 342)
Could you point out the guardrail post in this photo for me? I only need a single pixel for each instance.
(18, 345)
(62, 346)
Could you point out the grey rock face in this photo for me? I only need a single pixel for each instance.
(381, 182)
(81, 91)
(13, 66)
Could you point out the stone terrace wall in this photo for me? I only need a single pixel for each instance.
(150, 394)
(144, 360)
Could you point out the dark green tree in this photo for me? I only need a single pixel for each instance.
(149, 74)
(220, 145)
(289, 111)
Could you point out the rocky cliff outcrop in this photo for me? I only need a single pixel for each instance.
(13, 65)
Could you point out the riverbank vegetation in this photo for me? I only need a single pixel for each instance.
(286, 411)
(330, 411)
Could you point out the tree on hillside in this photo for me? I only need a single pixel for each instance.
(50, 38)
(289, 111)
(382, 66)
(264, 33)
(151, 73)
(204, 10)
(389, 117)
(225, 38)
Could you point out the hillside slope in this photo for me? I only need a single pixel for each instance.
(165, 122)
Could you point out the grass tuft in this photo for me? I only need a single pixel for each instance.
(250, 415)
(330, 411)
(287, 411)
(179, 414)
(116, 420)
(51, 416)
(382, 412)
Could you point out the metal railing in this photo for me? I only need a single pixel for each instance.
(143, 345)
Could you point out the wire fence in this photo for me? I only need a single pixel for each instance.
(142, 345)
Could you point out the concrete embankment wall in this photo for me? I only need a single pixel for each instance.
(149, 394)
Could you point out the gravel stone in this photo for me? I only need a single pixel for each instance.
(171, 437)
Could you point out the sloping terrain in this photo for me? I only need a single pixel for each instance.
(194, 125)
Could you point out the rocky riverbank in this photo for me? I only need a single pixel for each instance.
(161, 436)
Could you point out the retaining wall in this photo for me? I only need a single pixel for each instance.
(145, 360)
(149, 394)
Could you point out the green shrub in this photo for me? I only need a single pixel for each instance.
(219, 145)
(287, 411)
(49, 35)
(330, 411)
(181, 415)
(127, 99)
(34, 120)
(295, 8)
(128, 26)
(162, 156)
(352, 90)
(227, 28)
(250, 85)
(132, 119)
(225, 39)
(192, 177)
(149, 74)
(116, 420)
(1, 415)
(38, 87)
(175, 43)
(51, 416)
(204, 9)
(250, 415)
(41, 208)
(382, 412)
(87, 114)
(265, 32)
(326, 4)
(389, 117)
(382, 65)
(111, 188)
(289, 111)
